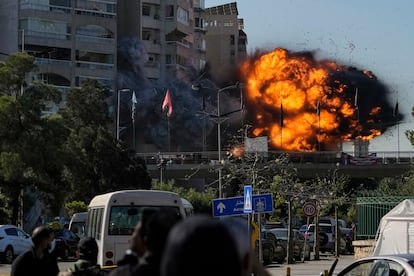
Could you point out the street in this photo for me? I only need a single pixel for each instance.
(312, 267)
(307, 268)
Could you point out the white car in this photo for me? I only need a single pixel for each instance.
(392, 265)
(13, 242)
(326, 238)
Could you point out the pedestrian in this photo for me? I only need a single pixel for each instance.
(201, 246)
(154, 233)
(38, 260)
(86, 265)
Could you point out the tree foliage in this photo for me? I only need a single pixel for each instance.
(69, 155)
(201, 201)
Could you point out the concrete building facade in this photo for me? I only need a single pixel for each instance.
(70, 40)
(225, 40)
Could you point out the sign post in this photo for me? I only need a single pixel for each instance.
(234, 206)
(248, 199)
(309, 210)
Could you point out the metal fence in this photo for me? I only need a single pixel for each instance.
(370, 210)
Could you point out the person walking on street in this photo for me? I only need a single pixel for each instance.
(38, 260)
(86, 265)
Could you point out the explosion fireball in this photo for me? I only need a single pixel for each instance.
(303, 104)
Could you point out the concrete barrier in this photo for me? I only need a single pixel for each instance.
(363, 248)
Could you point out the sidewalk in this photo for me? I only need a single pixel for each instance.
(312, 267)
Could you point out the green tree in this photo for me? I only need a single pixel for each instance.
(75, 206)
(97, 163)
(28, 140)
(201, 201)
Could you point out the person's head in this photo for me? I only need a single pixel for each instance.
(156, 225)
(238, 230)
(42, 237)
(200, 245)
(88, 249)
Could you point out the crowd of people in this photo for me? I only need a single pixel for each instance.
(162, 244)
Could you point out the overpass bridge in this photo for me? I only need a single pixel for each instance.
(190, 165)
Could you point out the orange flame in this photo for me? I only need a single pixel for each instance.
(314, 105)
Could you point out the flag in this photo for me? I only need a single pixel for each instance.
(356, 98)
(167, 103)
(395, 111)
(133, 108)
(318, 108)
(281, 116)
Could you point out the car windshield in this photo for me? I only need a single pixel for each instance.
(280, 233)
(322, 228)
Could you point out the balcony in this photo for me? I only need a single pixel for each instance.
(151, 22)
(152, 46)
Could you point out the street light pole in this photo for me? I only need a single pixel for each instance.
(118, 100)
(219, 121)
(235, 86)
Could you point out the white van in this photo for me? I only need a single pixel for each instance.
(77, 224)
(112, 218)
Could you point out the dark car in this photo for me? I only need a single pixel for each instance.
(298, 242)
(66, 244)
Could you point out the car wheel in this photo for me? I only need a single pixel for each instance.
(8, 255)
(269, 256)
(323, 238)
(280, 254)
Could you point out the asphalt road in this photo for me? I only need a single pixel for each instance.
(307, 268)
(311, 267)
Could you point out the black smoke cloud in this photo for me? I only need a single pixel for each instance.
(183, 131)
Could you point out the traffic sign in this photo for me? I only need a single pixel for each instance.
(248, 208)
(309, 209)
(234, 206)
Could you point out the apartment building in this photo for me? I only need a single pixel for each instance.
(172, 32)
(225, 40)
(70, 40)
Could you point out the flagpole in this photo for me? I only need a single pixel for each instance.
(318, 112)
(168, 134)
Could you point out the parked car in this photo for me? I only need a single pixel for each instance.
(392, 265)
(303, 229)
(298, 242)
(326, 238)
(66, 244)
(271, 248)
(77, 224)
(13, 242)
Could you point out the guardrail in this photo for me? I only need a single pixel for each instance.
(321, 157)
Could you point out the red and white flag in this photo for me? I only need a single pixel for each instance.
(167, 103)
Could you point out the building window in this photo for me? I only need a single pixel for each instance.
(169, 11)
(146, 35)
(168, 59)
(232, 39)
(182, 16)
(146, 10)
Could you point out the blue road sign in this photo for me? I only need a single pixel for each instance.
(248, 204)
(234, 206)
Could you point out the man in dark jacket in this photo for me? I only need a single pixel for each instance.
(86, 265)
(37, 261)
